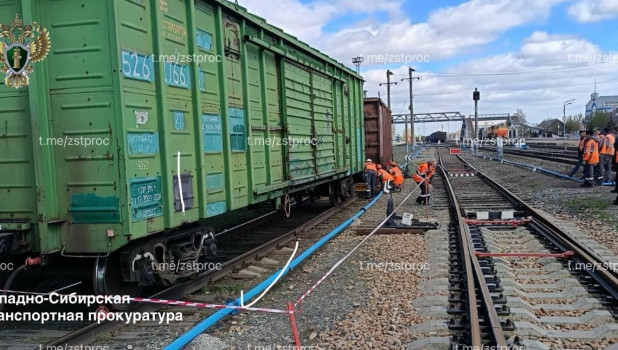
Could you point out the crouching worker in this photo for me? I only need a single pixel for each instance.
(371, 172)
(397, 175)
(422, 176)
(386, 178)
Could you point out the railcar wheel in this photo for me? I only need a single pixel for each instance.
(333, 194)
(108, 281)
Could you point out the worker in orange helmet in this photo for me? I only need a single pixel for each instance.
(590, 158)
(422, 176)
(386, 178)
(371, 172)
(397, 175)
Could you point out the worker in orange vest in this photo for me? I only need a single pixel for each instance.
(422, 176)
(615, 162)
(371, 172)
(607, 154)
(397, 175)
(386, 178)
(580, 153)
(599, 171)
(590, 158)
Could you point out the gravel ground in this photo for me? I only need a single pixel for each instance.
(588, 209)
(362, 305)
(358, 306)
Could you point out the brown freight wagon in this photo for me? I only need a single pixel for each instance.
(378, 127)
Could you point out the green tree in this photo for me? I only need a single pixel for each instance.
(600, 120)
(574, 122)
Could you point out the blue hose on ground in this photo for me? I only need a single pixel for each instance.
(214, 318)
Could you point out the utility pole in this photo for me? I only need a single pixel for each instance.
(388, 88)
(411, 78)
(388, 93)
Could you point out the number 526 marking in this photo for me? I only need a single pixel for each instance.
(137, 66)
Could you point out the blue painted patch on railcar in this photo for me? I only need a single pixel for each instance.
(88, 208)
(143, 143)
(238, 139)
(216, 208)
(146, 197)
(214, 182)
(177, 75)
(212, 132)
(202, 80)
(179, 120)
(204, 40)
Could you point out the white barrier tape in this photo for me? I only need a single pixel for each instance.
(38, 293)
(208, 306)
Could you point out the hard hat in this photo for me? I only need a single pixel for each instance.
(368, 160)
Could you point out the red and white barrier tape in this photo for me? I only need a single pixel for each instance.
(169, 302)
(207, 306)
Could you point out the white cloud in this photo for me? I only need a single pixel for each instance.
(305, 20)
(447, 32)
(548, 68)
(587, 11)
(544, 72)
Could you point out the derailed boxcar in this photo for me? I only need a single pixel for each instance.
(378, 127)
(172, 94)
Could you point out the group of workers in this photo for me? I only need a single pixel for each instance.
(391, 177)
(597, 153)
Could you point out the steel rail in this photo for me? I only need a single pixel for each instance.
(566, 241)
(557, 158)
(474, 273)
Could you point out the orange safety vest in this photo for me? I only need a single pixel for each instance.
(609, 145)
(397, 176)
(424, 171)
(591, 152)
(602, 146)
(385, 175)
(371, 166)
(582, 141)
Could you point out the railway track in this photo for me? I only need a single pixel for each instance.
(517, 280)
(564, 157)
(241, 246)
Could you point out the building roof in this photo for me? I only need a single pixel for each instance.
(606, 100)
(549, 123)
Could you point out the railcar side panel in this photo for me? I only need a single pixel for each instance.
(258, 116)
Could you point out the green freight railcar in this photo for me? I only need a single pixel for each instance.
(149, 117)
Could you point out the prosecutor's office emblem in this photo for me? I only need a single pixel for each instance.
(21, 45)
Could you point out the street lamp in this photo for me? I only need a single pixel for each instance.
(564, 120)
(357, 62)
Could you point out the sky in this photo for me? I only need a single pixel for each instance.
(531, 55)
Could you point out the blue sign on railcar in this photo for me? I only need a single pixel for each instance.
(143, 143)
(146, 197)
